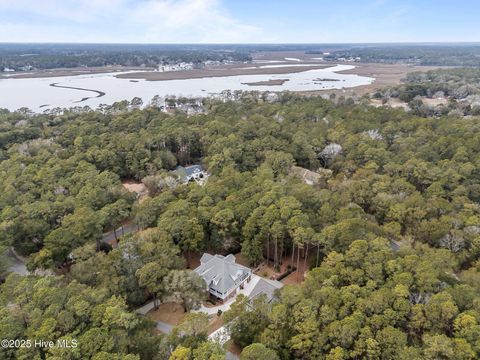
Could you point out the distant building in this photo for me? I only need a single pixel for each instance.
(191, 173)
(182, 66)
(187, 106)
(309, 177)
(192, 107)
(222, 275)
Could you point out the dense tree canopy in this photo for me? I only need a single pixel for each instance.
(392, 228)
(49, 308)
(26, 57)
(438, 54)
(454, 91)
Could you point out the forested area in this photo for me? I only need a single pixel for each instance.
(428, 55)
(460, 86)
(25, 57)
(392, 234)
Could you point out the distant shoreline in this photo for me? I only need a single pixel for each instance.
(60, 72)
(236, 70)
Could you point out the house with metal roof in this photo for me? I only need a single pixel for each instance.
(191, 173)
(223, 275)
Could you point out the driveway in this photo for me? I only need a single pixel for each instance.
(220, 335)
(109, 237)
(145, 308)
(164, 327)
(231, 356)
(17, 263)
(247, 289)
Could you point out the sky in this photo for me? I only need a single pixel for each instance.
(239, 21)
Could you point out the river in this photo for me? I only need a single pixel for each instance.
(39, 94)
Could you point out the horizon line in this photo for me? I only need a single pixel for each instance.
(241, 43)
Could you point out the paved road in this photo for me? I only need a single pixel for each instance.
(145, 308)
(221, 335)
(395, 246)
(127, 229)
(161, 325)
(167, 328)
(231, 356)
(17, 264)
(164, 327)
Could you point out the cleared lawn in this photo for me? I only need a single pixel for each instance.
(171, 313)
(295, 277)
(136, 187)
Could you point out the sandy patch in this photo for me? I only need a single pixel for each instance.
(137, 187)
(393, 103)
(435, 101)
(397, 103)
(134, 186)
(271, 82)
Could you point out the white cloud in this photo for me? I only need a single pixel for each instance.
(154, 21)
(191, 20)
(80, 11)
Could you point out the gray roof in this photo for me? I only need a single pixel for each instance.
(184, 172)
(267, 287)
(190, 170)
(221, 273)
(205, 257)
(394, 245)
